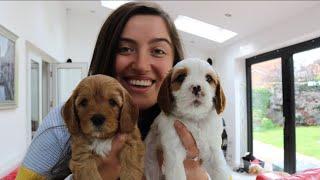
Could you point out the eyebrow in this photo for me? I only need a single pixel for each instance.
(128, 40)
(155, 40)
(161, 40)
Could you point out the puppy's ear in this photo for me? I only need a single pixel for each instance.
(129, 114)
(165, 98)
(69, 115)
(220, 99)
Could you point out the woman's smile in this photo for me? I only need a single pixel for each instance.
(138, 85)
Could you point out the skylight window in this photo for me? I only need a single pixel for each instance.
(113, 4)
(202, 29)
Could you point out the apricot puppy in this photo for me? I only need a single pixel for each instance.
(98, 109)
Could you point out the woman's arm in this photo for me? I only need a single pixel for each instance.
(192, 163)
(49, 145)
(25, 173)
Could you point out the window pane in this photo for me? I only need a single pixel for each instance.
(68, 79)
(35, 119)
(307, 102)
(267, 112)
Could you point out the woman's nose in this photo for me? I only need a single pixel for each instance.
(141, 63)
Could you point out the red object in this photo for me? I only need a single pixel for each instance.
(310, 174)
(11, 176)
(256, 161)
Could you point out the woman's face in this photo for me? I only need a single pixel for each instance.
(145, 55)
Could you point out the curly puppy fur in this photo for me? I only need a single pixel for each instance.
(98, 109)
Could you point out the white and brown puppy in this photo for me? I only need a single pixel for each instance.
(98, 109)
(192, 94)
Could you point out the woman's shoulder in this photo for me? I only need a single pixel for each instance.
(48, 145)
(54, 118)
(54, 124)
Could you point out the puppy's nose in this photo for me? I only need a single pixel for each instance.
(98, 119)
(196, 89)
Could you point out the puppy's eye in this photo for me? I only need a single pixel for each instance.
(180, 78)
(83, 102)
(112, 102)
(209, 78)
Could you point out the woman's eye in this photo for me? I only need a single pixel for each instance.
(158, 53)
(125, 50)
(83, 102)
(209, 78)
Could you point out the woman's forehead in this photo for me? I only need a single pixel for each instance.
(146, 27)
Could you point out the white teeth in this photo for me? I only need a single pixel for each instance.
(140, 82)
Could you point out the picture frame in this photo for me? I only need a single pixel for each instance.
(8, 69)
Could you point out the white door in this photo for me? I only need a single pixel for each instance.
(65, 77)
(35, 90)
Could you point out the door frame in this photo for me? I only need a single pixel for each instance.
(38, 55)
(53, 85)
(31, 56)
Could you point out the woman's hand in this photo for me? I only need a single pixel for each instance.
(192, 166)
(110, 167)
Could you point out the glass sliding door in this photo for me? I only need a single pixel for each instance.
(283, 103)
(267, 115)
(307, 108)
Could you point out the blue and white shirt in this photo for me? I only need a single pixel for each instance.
(48, 145)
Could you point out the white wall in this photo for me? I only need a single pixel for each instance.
(192, 51)
(13, 122)
(82, 33)
(44, 25)
(231, 67)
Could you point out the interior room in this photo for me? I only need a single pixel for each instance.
(267, 55)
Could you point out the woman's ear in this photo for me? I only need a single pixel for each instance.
(165, 98)
(69, 115)
(220, 99)
(129, 114)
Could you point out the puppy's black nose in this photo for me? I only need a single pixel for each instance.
(196, 89)
(98, 119)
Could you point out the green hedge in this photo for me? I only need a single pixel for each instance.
(260, 106)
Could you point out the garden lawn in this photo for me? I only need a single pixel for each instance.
(307, 138)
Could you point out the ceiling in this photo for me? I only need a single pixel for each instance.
(247, 17)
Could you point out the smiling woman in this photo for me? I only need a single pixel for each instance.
(144, 57)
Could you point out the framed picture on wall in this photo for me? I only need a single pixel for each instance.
(8, 69)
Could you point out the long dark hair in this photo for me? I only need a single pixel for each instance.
(107, 43)
(105, 52)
